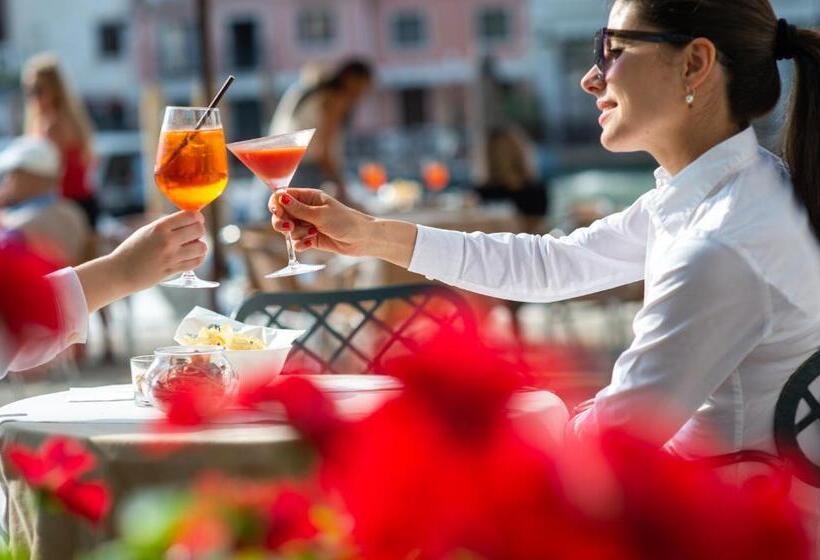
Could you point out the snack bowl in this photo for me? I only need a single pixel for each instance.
(257, 367)
(202, 373)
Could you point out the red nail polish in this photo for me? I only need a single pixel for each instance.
(286, 225)
(308, 243)
(285, 199)
(313, 231)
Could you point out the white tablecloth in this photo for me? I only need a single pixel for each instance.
(354, 395)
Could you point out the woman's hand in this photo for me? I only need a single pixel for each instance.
(318, 221)
(166, 246)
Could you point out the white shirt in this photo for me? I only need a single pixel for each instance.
(731, 306)
(73, 312)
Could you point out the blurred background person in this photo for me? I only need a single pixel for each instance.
(30, 204)
(54, 112)
(512, 175)
(326, 103)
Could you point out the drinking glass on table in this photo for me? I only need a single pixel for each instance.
(274, 160)
(139, 370)
(191, 167)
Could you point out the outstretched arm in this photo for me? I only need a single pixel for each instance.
(609, 253)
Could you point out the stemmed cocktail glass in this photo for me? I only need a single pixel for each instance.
(274, 159)
(191, 167)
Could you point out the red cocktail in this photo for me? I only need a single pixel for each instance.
(274, 159)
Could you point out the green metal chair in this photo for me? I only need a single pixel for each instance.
(797, 410)
(354, 331)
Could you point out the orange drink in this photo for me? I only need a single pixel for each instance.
(192, 174)
(436, 176)
(373, 175)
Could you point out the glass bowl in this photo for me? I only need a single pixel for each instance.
(201, 373)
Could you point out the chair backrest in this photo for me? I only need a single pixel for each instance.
(797, 421)
(354, 331)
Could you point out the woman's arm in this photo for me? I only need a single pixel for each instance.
(524, 267)
(164, 247)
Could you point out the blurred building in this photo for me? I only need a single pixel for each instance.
(426, 52)
(93, 42)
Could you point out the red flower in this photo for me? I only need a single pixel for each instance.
(89, 500)
(308, 409)
(238, 515)
(289, 520)
(55, 469)
(58, 460)
(28, 303)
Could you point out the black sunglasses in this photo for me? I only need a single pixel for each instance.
(603, 60)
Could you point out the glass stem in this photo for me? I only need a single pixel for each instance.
(291, 251)
(189, 275)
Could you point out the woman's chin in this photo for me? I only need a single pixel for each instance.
(612, 141)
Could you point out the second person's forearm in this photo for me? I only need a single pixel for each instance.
(391, 240)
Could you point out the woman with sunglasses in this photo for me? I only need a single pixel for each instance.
(727, 242)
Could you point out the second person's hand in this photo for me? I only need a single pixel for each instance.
(318, 221)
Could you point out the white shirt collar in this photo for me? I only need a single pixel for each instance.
(679, 195)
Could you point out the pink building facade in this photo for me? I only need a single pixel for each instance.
(426, 53)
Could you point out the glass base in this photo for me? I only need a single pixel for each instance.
(189, 280)
(294, 269)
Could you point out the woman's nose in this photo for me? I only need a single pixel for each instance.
(592, 82)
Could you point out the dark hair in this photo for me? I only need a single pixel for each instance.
(351, 68)
(748, 37)
(335, 80)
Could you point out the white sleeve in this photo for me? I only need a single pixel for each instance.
(706, 313)
(609, 253)
(73, 312)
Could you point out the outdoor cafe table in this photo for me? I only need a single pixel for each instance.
(108, 423)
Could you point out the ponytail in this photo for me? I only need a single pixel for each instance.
(801, 139)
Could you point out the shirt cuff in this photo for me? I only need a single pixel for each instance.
(72, 305)
(438, 253)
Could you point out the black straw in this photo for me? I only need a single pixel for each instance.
(214, 102)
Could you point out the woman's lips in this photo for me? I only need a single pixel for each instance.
(605, 115)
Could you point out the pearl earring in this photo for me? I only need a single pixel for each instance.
(690, 98)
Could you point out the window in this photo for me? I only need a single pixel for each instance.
(244, 49)
(178, 49)
(110, 36)
(246, 118)
(316, 27)
(3, 20)
(409, 30)
(413, 106)
(493, 25)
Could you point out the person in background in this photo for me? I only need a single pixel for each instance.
(325, 103)
(165, 247)
(54, 112)
(512, 175)
(30, 169)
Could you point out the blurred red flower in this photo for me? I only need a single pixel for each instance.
(28, 303)
(238, 516)
(55, 469)
(441, 469)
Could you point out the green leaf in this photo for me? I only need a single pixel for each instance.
(148, 520)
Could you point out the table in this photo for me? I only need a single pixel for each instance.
(243, 446)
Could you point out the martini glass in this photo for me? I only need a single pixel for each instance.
(274, 159)
(191, 167)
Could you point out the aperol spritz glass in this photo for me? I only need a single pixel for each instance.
(191, 168)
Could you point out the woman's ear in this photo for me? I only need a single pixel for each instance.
(699, 59)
